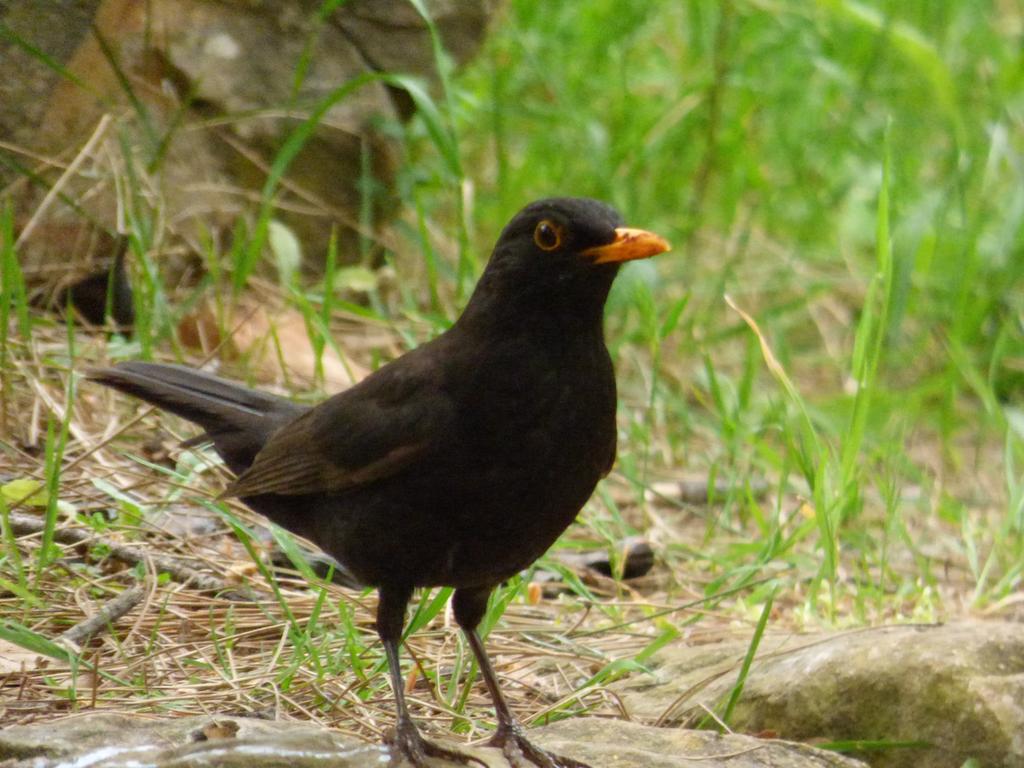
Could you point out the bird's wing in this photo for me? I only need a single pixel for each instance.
(367, 433)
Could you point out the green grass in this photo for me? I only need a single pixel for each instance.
(756, 136)
(842, 316)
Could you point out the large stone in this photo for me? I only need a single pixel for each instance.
(118, 741)
(958, 687)
(621, 744)
(107, 740)
(201, 95)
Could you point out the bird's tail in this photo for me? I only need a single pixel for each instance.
(238, 420)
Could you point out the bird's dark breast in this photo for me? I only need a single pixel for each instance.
(527, 448)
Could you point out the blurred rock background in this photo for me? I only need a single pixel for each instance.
(183, 105)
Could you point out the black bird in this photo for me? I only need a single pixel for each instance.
(459, 463)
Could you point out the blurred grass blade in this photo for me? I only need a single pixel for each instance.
(869, 342)
(12, 282)
(141, 111)
(40, 55)
(430, 604)
(26, 638)
(737, 689)
(911, 44)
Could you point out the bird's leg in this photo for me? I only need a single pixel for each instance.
(407, 740)
(510, 737)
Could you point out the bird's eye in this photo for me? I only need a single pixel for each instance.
(547, 235)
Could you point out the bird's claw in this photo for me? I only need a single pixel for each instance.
(409, 746)
(512, 741)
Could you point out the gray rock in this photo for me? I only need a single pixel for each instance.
(620, 744)
(104, 740)
(958, 687)
(119, 741)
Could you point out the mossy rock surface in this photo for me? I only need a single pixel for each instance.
(958, 688)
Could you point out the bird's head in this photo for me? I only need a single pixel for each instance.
(564, 250)
(576, 230)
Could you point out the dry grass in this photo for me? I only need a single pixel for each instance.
(184, 650)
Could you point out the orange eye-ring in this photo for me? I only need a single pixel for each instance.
(547, 235)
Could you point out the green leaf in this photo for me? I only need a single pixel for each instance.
(358, 279)
(24, 490)
(22, 636)
(286, 249)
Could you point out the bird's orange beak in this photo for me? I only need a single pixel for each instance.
(629, 244)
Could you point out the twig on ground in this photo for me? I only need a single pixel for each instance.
(178, 570)
(85, 152)
(109, 613)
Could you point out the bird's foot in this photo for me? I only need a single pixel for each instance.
(408, 746)
(518, 750)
